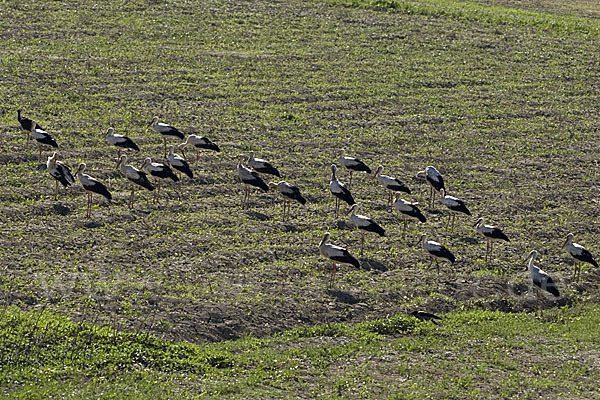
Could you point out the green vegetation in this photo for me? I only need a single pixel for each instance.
(222, 301)
(475, 354)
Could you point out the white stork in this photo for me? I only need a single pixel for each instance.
(580, 254)
(199, 142)
(120, 141)
(436, 251)
(288, 192)
(178, 163)
(158, 171)
(391, 184)
(249, 178)
(455, 206)
(364, 225)
(336, 254)
(490, 233)
(60, 172)
(435, 180)
(134, 175)
(540, 278)
(27, 125)
(408, 209)
(165, 130)
(339, 190)
(42, 137)
(262, 166)
(352, 164)
(91, 186)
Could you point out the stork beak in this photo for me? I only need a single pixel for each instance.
(350, 210)
(418, 241)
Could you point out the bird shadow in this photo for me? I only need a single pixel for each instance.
(61, 210)
(41, 167)
(290, 228)
(344, 297)
(469, 240)
(92, 225)
(342, 225)
(435, 211)
(372, 265)
(257, 215)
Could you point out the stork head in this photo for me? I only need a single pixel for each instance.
(569, 240)
(81, 168)
(251, 156)
(147, 161)
(272, 185)
(325, 239)
(443, 192)
(352, 209)
(333, 168)
(479, 221)
(421, 240)
(122, 161)
(531, 256)
(110, 131)
(153, 122)
(378, 171)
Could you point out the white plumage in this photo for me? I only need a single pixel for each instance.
(391, 184)
(580, 254)
(364, 224)
(435, 180)
(336, 254)
(539, 277)
(339, 190)
(60, 172)
(436, 251)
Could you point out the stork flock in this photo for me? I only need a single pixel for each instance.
(251, 176)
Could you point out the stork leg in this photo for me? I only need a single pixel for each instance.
(118, 156)
(453, 221)
(332, 277)
(437, 266)
(131, 198)
(197, 157)
(491, 249)
(337, 205)
(56, 191)
(487, 250)
(40, 155)
(350, 180)
(89, 206)
(430, 262)
(430, 196)
(404, 229)
(165, 139)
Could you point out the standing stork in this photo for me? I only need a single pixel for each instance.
(178, 163)
(435, 180)
(60, 172)
(199, 142)
(262, 166)
(455, 206)
(364, 225)
(91, 186)
(42, 137)
(158, 171)
(121, 142)
(288, 192)
(391, 184)
(27, 125)
(490, 233)
(408, 209)
(339, 190)
(336, 254)
(540, 278)
(352, 164)
(249, 178)
(579, 253)
(133, 175)
(165, 130)
(436, 251)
